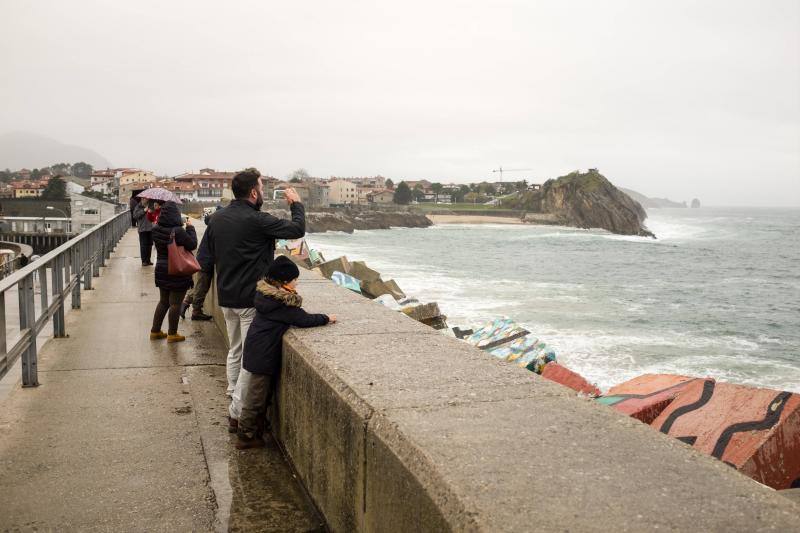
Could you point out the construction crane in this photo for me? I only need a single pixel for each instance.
(501, 170)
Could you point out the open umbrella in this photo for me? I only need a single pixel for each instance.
(160, 194)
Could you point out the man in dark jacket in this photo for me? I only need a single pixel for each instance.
(241, 239)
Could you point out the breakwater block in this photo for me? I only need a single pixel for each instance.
(346, 281)
(429, 314)
(568, 378)
(373, 289)
(360, 270)
(340, 264)
(757, 431)
(496, 333)
(645, 397)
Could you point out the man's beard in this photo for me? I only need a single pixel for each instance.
(259, 201)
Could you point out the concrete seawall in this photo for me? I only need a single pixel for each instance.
(393, 426)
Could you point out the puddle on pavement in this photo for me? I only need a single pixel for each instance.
(256, 491)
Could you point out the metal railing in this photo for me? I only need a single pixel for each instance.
(71, 265)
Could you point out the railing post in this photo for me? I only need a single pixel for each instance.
(86, 263)
(43, 288)
(27, 321)
(97, 254)
(59, 329)
(3, 346)
(75, 272)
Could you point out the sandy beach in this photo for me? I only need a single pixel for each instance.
(472, 219)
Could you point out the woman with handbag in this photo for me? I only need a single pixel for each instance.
(173, 270)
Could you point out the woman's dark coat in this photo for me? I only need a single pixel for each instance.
(169, 220)
(276, 310)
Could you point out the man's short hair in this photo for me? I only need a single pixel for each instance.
(244, 181)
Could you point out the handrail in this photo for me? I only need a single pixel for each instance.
(71, 265)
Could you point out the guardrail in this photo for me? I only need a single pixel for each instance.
(73, 263)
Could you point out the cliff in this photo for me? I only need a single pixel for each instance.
(319, 222)
(585, 201)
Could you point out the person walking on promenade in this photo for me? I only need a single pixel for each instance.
(241, 239)
(278, 306)
(146, 214)
(171, 288)
(196, 296)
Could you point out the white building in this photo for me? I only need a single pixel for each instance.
(342, 192)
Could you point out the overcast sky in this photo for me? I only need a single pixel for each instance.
(673, 98)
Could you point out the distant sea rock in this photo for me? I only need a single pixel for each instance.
(320, 222)
(695, 203)
(586, 200)
(20, 149)
(649, 203)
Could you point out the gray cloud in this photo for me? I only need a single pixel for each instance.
(676, 99)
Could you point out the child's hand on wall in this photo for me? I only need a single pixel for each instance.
(331, 319)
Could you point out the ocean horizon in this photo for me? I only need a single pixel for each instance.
(716, 294)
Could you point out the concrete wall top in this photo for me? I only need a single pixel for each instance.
(445, 436)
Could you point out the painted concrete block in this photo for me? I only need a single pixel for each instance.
(757, 431)
(645, 397)
(568, 378)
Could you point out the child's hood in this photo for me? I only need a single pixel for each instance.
(292, 299)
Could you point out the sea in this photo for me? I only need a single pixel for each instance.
(716, 294)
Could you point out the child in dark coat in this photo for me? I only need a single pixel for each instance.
(278, 306)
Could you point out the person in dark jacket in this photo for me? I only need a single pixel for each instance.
(241, 239)
(196, 296)
(278, 306)
(171, 288)
(146, 214)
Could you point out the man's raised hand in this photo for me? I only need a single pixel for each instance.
(291, 195)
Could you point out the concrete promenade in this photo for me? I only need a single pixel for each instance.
(128, 434)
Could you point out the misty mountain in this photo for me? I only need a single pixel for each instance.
(21, 149)
(648, 203)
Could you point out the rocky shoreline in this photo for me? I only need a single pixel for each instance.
(347, 222)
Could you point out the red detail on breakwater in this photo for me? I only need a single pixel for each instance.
(568, 378)
(757, 431)
(645, 397)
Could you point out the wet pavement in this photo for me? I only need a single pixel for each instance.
(130, 434)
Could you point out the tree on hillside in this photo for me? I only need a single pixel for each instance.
(61, 169)
(436, 188)
(458, 194)
(389, 184)
(522, 185)
(82, 170)
(402, 195)
(418, 194)
(56, 189)
(299, 175)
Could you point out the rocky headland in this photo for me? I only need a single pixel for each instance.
(320, 222)
(583, 200)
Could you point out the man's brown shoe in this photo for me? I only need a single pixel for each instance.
(233, 425)
(156, 335)
(245, 442)
(175, 338)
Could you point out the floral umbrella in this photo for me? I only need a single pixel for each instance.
(160, 194)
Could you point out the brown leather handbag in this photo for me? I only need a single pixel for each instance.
(180, 261)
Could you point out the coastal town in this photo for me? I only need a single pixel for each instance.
(208, 185)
